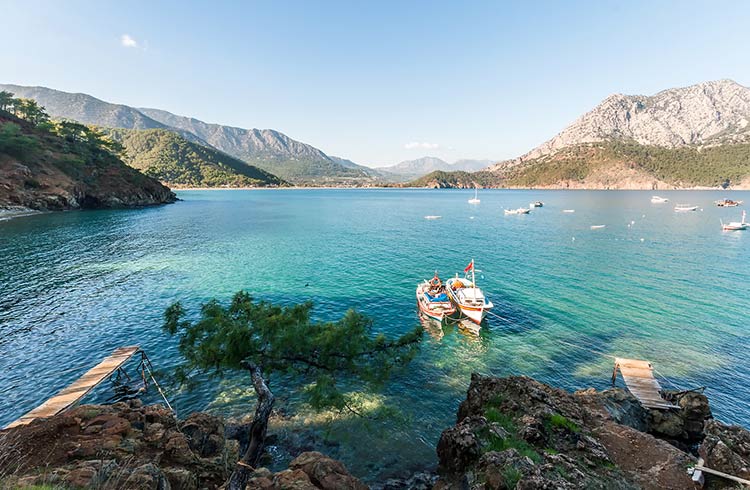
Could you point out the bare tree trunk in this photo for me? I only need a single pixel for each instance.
(252, 436)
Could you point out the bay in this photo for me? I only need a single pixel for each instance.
(653, 284)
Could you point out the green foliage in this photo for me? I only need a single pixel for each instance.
(494, 415)
(559, 421)
(168, 157)
(685, 166)
(13, 142)
(284, 339)
(6, 101)
(497, 443)
(511, 477)
(440, 178)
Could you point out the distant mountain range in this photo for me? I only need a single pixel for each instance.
(267, 149)
(681, 137)
(411, 169)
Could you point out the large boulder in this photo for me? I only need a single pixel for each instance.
(726, 448)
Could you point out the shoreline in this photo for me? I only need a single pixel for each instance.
(294, 188)
(17, 212)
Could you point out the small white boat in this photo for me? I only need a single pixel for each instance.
(569, 210)
(432, 217)
(682, 208)
(659, 200)
(475, 199)
(467, 297)
(517, 211)
(598, 227)
(536, 204)
(735, 225)
(433, 300)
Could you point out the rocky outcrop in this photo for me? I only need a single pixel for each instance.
(120, 446)
(131, 446)
(726, 448)
(518, 433)
(52, 176)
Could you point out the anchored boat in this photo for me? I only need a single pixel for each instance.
(475, 199)
(517, 211)
(433, 300)
(536, 204)
(736, 225)
(683, 208)
(659, 200)
(728, 203)
(467, 297)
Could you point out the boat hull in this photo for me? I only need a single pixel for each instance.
(475, 313)
(434, 310)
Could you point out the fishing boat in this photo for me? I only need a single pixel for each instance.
(475, 199)
(735, 225)
(433, 300)
(536, 204)
(569, 211)
(598, 227)
(432, 216)
(517, 211)
(658, 200)
(728, 203)
(682, 208)
(467, 297)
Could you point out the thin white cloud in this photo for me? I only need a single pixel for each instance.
(128, 42)
(424, 145)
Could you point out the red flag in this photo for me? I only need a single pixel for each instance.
(469, 267)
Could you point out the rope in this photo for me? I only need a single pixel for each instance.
(147, 365)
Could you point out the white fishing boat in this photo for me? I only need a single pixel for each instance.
(467, 297)
(735, 225)
(598, 227)
(659, 200)
(475, 199)
(517, 211)
(433, 300)
(682, 208)
(432, 217)
(536, 204)
(569, 211)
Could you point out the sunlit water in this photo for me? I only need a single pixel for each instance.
(654, 284)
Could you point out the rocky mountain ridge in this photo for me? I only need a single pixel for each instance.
(708, 113)
(411, 169)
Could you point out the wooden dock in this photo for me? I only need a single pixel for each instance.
(80, 388)
(640, 381)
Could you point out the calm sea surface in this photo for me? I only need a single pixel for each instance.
(654, 284)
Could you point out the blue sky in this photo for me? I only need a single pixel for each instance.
(376, 82)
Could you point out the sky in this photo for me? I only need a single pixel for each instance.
(376, 82)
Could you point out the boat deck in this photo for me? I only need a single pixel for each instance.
(81, 387)
(639, 379)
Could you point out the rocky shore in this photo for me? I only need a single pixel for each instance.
(510, 433)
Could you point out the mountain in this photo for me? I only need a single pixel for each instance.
(709, 113)
(170, 158)
(268, 149)
(44, 171)
(681, 137)
(457, 179)
(411, 169)
(265, 148)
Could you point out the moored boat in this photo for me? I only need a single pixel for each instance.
(728, 203)
(736, 225)
(658, 200)
(517, 211)
(681, 208)
(433, 300)
(475, 199)
(536, 204)
(467, 297)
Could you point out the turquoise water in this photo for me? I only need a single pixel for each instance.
(653, 284)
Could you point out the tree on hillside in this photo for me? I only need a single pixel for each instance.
(29, 110)
(263, 338)
(6, 101)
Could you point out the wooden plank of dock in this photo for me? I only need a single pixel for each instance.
(639, 379)
(80, 388)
